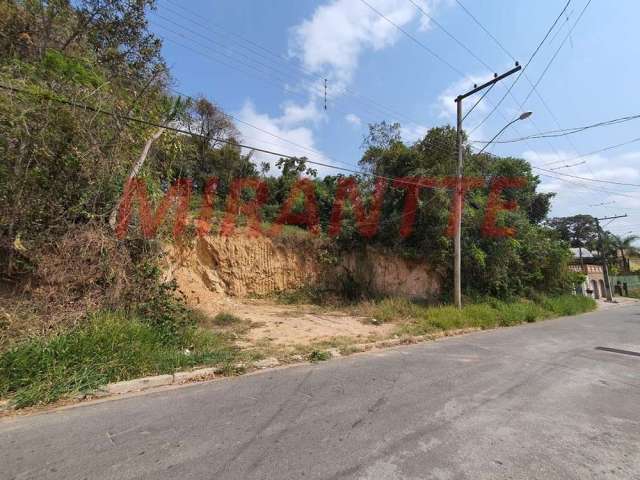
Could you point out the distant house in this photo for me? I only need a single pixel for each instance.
(585, 262)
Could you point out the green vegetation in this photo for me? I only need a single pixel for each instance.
(108, 347)
(225, 319)
(319, 356)
(414, 319)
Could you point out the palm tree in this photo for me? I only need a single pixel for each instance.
(625, 245)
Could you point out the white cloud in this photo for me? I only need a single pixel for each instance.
(333, 39)
(330, 44)
(353, 119)
(294, 114)
(412, 133)
(446, 107)
(575, 195)
(282, 134)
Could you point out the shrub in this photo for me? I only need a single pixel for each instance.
(319, 356)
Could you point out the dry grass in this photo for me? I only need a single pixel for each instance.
(84, 271)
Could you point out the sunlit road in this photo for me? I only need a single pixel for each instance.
(538, 401)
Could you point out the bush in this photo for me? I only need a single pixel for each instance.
(109, 347)
(319, 356)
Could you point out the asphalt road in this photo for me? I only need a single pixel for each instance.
(538, 401)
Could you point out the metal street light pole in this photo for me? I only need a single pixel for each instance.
(459, 193)
(523, 116)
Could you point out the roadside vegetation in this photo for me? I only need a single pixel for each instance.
(106, 347)
(415, 319)
(80, 307)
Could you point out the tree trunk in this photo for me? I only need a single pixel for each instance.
(134, 172)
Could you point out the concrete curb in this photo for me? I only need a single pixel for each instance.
(145, 383)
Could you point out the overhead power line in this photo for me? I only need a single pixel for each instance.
(286, 61)
(569, 166)
(497, 42)
(414, 39)
(526, 76)
(567, 36)
(568, 131)
(456, 70)
(221, 140)
(553, 175)
(450, 35)
(258, 73)
(586, 179)
(533, 55)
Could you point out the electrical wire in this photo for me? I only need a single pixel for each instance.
(440, 147)
(569, 166)
(533, 87)
(286, 61)
(568, 131)
(538, 95)
(187, 132)
(415, 40)
(497, 42)
(509, 92)
(524, 68)
(450, 35)
(546, 69)
(583, 185)
(596, 180)
(486, 92)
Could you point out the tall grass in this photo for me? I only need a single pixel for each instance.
(414, 319)
(109, 347)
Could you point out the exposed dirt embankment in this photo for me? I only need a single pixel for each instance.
(243, 266)
(239, 266)
(392, 275)
(217, 274)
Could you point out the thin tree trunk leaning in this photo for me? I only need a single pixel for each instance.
(135, 170)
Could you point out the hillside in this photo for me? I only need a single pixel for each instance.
(130, 217)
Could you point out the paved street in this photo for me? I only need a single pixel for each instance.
(538, 401)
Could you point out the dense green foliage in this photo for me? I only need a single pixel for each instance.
(533, 259)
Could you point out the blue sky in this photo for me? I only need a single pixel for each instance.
(264, 62)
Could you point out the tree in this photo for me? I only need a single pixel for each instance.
(579, 230)
(626, 247)
(381, 135)
(118, 31)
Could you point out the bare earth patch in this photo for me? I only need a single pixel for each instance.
(283, 325)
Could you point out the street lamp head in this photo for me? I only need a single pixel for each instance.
(525, 115)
